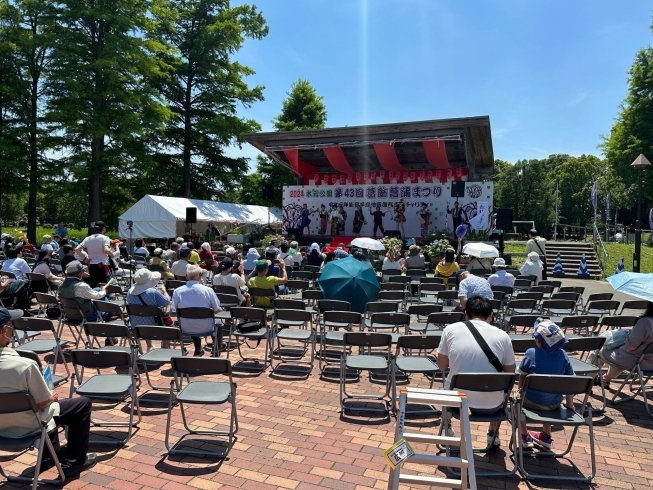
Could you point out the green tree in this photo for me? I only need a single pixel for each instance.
(98, 99)
(204, 88)
(576, 177)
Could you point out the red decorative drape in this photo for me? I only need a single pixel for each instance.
(385, 152)
(337, 159)
(436, 153)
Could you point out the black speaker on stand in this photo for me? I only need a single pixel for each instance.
(458, 188)
(503, 223)
(191, 218)
(268, 192)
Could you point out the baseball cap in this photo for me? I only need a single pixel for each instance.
(99, 225)
(261, 265)
(499, 262)
(549, 335)
(7, 315)
(230, 251)
(184, 252)
(75, 267)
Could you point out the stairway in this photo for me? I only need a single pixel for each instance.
(570, 253)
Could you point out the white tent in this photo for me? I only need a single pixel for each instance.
(164, 217)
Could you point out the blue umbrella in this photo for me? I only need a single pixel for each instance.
(350, 280)
(633, 283)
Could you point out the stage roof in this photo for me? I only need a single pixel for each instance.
(437, 144)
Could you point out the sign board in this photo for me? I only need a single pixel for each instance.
(399, 452)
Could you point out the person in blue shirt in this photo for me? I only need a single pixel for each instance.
(61, 230)
(547, 358)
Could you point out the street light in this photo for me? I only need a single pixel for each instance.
(639, 163)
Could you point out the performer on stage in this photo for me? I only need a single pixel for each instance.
(342, 220)
(359, 219)
(378, 220)
(304, 220)
(334, 220)
(458, 215)
(400, 218)
(324, 217)
(425, 218)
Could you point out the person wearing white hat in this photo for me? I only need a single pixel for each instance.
(147, 291)
(500, 276)
(533, 267)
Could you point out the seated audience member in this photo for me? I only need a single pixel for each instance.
(74, 288)
(147, 291)
(362, 257)
(265, 281)
(236, 280)
(392, 264)
(460, 353)
(251, 259)
(68, 255)
(179, 267)
(157, 259)
(47, 243)
(547, 357)
(20, 374)
(42, 267)
(500, 276)
(533, 267)
(235, 257)
(170, 255)
(471, 285)
(448, 266)
(330, 257)
(206, 255)
(194, 256)
(415, 259)
(296, 254)
(15, 263)
(284, 255)
(140, 249)
(194, 295)
(340, 252)
(314, 256)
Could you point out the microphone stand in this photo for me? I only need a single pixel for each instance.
(131, 231)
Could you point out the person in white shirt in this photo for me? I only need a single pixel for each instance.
(42, 267)
(285, 255)
(501, 277)
(460, 353)
(15, 263)
(228, 277)
(140, 249)
(533, 267)
(179, 267)
(392, 264)
(193, 294)
(296, 255)
(47, 243)
(98, 247)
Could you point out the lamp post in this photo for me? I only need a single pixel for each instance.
(639, 163)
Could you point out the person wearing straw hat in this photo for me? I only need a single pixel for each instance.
(147, 291)
(500, 276)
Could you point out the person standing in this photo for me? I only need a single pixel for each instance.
(400, 217)
(324, 216)
(98, 248)
(335, 216)
(537, 244)
(61, 230)
(378, 221)
(359, 219)
(458, 215)
(424, 219)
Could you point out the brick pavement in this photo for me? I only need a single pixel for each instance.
(292, 436)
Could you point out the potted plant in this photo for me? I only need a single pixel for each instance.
(237, 235)
(435, 250)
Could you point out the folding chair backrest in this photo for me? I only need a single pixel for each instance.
(559, 385)
(138, 311)
(540, 288)
(299, 315)
(195, 313)
(390, 318)
(527, 277)
(17, 402)
(524, 320)
(521, 345)
(635, 304)
(558, 304)
(155, 267)
(225, 289)
(579, 321)
(401, 279)
(256, 293)
(584, 344)
(333, 305)
(33, 324)
(297, 284)
(498, 295)
(288, 304)
(379, 307)
(114, 289)
(390, 295)
(100, 358)
(38, 282)
(570, 296)
(572, 289)
(174, 283)
(522, 284)
(603, 304)
(307, 275)
(555, 284)
(447, 295)
(106, 306)
(599, 297)
(521, 303)
(431, 280)
(427, 342)
(312, 294)
(98, 329)
(483, 382)
(71, 309)
(248, 313)
(46, 299)
(445, 318)
(424, 310)
(312, 268)
(392, 286)
(200, 366)
(367, 339)
(619, 321)
(227, 300)
(431, 288)
(348, 317)
(28, 354)
(155, 332)
(529, 295)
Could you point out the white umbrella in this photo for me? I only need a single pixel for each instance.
(368, 243)
(480, 250)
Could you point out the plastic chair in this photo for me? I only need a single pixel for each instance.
(614, 322)
(636, 304)
(602, 307)
(393, 321)
(200, 313)
(426, 290)
(158, 356)
(377, 307)
(437, 321)
(576, 323)
(584, 368)
(201, 393)
(420, 363)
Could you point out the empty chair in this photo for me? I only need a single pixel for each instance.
(599, 297)
(217, 288)
(422, 312)
(311, 296)
(228, 300)
(555, 284)
(201, 393)
(583, 345)
(169, 336)
(546, 290)
(428, 292)
(46, 301)
(110, 310)
(415, 358)
(96, 330)
(567, 295)
(524, 321)
(331, 305)
(294, 326)
(446, 299)
(393, 321)
(573, 289)
(332, 335)
(115, 294)
(73, 318)
(379, 348)
(613, 322)
(305, 275)
(116, 387)
(637, 304)
(537, 296)
(38, 283)
(312, 268)
(520, 306)
(398, 297)
(522, 285)
(377, 307)
(295, 286)
(558, 308)
(578, 323)
(431, 280)
(601, 307)
(288, 304)
(437, 321)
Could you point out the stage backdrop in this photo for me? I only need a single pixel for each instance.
(423, 207)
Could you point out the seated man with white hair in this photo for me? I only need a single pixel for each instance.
(501, 277)
(296, 255)
(195, 295)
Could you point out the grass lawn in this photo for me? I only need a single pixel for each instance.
(40, 231)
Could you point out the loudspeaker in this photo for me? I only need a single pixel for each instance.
(393, 233)
(295, 231)
(268, 192)
(504, 219)
(191, 215)
(457, 188)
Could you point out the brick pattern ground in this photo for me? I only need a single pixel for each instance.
(293, 436)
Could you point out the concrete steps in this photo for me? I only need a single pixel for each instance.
(571, 253)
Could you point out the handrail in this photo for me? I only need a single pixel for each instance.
(602, 253)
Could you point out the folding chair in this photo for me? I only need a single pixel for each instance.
(614, 322)
(46, 300)
(44, 346)
(257, 293)
(172, 284)
(295, 287)
(289, 304)
(303, 275)
(377, 307)
(643, 375)
(426, 290)
(524, 321)
(584, 368)
(93, 330)
(437, 321)
(446, 299)
(546, 290)
(528, 277)
(554, 284)
(420, 363)
(38, 283)
(158, 356)
(285, 320)
(106, 387)
(375, 361)
(201, 393)
(155, 268)
(393, 321)
(558, 308)
(312, 268)
(421, 312)
(245, 314)
(573, 289)
(521, 285)
(602, 307)
(537, 296)
(112, 309)
(500, 296)
(72, 317)
(311, 296)
(559, 385)
(579, 322)
(520, 306)
(331, 335)
(324, 305)
(217, 288)
(116, 295)
(431, 280)
(486, 383)
(23, 402)
(397, 297)
(637, 304)
(228, 300)
(200, 313)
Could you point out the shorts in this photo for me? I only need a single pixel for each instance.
(537, 406)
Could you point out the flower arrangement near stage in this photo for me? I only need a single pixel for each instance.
(392, 242)
(437, 248)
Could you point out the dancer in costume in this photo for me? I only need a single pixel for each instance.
(400, 218)
(458, 215)
(378, 220)
(359, 219)
(304, 220)
(334, 220)
(342, 220)
(424, 219)
(323, 213)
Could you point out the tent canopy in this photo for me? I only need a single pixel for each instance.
(164, 217)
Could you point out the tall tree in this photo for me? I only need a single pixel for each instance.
(204, 89)
(98, 99)
(28, 27)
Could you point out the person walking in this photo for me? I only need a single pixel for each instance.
(98, 248)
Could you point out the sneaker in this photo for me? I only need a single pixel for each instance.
(541, 440)
(74, 468)
(527, 443)
(490, 437)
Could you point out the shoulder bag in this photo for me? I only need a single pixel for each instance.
(486, 348)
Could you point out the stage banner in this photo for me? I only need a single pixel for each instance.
(415, 210)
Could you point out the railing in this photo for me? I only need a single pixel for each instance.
(601, 252)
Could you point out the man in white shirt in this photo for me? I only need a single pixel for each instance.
(179, 267)
(460, 353)
(15, 263)
(296, 255)
(19, 374)
(500, 276)
(98, 247)
(193, 295)
(140, 249)
(228, 277)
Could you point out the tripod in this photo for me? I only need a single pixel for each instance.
(130, 225)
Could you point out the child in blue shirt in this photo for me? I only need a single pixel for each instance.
(547, 358)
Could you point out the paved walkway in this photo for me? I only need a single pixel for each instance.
(292, 435)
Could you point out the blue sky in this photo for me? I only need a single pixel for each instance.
(550, 74)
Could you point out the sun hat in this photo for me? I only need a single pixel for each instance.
(75, 267)
(144, 279)
(261, 265)
(549, 335)
(252, 252)
(534, 256)
(158, 251)
(206, 246)
(184, 252)
(7, 315)
(230, 251)
(413, 250)
(499, 262)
